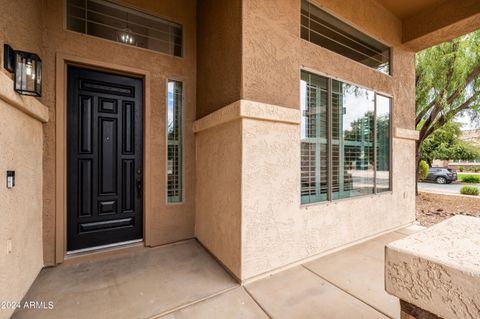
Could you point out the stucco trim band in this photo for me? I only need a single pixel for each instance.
(27, 104)
(245, 109)
(406, 134)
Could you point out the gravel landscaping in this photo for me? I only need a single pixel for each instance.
(433, 208)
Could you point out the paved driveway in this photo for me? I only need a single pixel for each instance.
(443, 188)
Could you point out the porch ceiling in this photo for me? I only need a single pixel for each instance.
(407, 8)
(429, 22)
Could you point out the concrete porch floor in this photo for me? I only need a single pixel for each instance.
(183, 281)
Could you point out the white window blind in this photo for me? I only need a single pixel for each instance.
(175, 142)
(345, 140)
(111, 21)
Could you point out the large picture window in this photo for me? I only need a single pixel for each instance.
(345, 140)
(174, 142)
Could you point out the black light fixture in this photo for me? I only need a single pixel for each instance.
(27, 70)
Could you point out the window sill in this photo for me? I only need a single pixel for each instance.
(337, 201)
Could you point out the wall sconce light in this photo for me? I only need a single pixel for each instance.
(27, 70)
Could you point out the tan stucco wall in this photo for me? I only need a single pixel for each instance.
(220, 147)
(21, 26)
(276, 229)
(273, 51)
(169, 223)
(21, 144)
(219, 59)
(218, 221)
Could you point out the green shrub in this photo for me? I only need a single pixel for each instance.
(469, 190)
(423, 170)
(470, 178)
(476, 169)
(461, 168)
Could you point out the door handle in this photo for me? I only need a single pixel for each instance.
(139, 185)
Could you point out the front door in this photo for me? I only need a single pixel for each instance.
(104, 158)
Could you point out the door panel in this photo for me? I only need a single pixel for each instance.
(104, 158)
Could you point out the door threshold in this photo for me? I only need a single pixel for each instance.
(104, 247)
(90, 253)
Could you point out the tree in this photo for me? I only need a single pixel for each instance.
(447, 84)
(445, 144)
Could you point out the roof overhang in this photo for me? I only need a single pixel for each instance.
(430, 22)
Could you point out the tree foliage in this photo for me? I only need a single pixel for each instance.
(447, 84)
(445, 144)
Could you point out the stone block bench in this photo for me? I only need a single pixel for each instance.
(436, 272)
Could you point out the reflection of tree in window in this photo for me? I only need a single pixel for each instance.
(352, 144)
(383, 143)
(356, 115)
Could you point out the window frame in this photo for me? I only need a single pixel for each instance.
(354, 27)
(330, 199)
(134, 8)
(390, 141)
(182, 142)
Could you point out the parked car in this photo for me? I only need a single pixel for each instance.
(441, 175)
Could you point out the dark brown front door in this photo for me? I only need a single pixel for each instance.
(104, 158)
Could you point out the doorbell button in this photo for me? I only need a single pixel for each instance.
(10, 179)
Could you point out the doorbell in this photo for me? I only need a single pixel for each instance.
(10, 179)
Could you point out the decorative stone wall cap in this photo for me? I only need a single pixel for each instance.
(26, 104)
(454, 242)
(406, 134)
(438, 269)
(249, 110)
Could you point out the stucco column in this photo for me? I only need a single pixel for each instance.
(246, 156)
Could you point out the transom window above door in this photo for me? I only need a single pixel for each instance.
(111, 21)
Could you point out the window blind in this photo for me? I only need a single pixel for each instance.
(110, 21)
(345, 140)
(325, 30)
(175, 142)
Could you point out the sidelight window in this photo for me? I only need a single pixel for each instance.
(174, 142)
(345, 140)
(325, 30)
